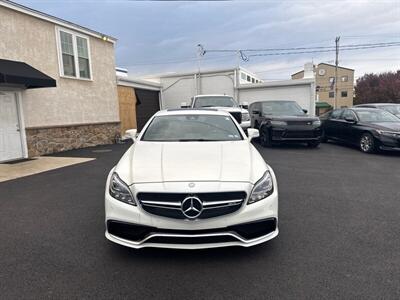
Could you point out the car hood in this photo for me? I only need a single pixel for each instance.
(392, 126)
(150, 162)
(230, 109)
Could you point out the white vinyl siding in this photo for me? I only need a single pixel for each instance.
(75, 55)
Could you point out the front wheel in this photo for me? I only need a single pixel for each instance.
(265, 139)
(367, 143)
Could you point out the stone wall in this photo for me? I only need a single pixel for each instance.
(47, 140)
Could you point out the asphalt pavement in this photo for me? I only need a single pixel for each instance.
(339, 236)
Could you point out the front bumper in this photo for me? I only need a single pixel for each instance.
(246, 235)
(390, 143)
(163, 232)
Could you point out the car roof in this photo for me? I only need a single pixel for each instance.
(212, 95)
(360, 108)
(274, 101)
(192, 111)
(376, 104)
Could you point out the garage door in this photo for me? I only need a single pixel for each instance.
(147, 105)
(10, 137)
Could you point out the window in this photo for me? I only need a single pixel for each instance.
(331, 94)
(83, 57)
(248, 78)
(343, 94)
(67, 50)
(336, 113)
(349, 115)
(331, 79)
(74, 55)
(243, 76)
(195, 128)
(345, 78)
(253, 80)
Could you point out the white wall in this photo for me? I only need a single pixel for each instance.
(302, 94)
(32, 40)
(176, 90)
(181, 89)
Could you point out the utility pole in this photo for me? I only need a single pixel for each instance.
(200, 54)
(336, 69)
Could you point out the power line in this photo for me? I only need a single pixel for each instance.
(322, 51)
(300, 48)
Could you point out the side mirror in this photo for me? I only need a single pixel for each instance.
(252, 133)
(350, 120)
(256, 112)
(184, 105)
(305, 111)
(132, 133)
(245, 105)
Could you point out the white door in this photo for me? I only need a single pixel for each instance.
(10, 136)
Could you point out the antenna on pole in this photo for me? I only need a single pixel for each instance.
(200, 54)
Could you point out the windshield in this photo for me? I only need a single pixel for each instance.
(394, 109)
(371, 116)
(282, 108)
(186, 128)
(213, 101)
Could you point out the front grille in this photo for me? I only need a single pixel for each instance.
(299, 134)
(169, 204)
(192, 240)
(299, 122)
(237, 116)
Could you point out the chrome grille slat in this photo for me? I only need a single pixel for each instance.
(149, 202)
(215, 203)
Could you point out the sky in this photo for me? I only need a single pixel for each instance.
(157, 37)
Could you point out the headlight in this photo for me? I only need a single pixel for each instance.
(245, 117)
(316, 123)
(262, 189)
(120, 190)
(279, 123)
(388, 133)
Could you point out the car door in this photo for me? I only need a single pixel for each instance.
(349, 132)
(333, 124)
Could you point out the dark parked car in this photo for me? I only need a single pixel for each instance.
(284, 121)
(393, 108)
(368, 128)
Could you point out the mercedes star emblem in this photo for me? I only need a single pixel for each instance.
(191, 207)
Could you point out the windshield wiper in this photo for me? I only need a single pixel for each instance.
(196, 140)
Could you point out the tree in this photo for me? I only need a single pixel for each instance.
(378, 88)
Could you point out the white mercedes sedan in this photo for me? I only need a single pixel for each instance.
(191, 180)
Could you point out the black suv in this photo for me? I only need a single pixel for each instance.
(284, 121)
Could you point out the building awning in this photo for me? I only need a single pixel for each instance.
(323, 105)
(20, 73)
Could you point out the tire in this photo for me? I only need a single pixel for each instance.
(367, 143)
(265, 139)
(313, 144)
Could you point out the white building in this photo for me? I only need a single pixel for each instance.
(240, 83)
